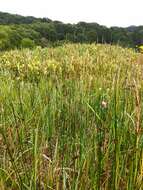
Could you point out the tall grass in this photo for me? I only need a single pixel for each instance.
(71, 118)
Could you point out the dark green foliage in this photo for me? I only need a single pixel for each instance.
(6, 18)
(45, 32)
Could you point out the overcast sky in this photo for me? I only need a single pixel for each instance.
(105, 12)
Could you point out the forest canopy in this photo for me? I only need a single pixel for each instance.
(19, 32)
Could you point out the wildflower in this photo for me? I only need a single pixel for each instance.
(141, 48)
(104, 104)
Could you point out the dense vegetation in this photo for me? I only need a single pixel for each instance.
(70, 119)
(18, 31)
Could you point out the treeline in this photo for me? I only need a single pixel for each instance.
(21, 32)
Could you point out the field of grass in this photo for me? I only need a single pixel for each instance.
(71, 119)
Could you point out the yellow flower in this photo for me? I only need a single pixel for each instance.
(141, 48)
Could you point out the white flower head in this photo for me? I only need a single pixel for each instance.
(104, 104)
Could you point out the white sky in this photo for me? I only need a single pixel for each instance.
(105, 12)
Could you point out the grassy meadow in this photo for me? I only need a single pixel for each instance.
(71, 118)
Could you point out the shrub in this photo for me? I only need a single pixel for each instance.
(27, 43)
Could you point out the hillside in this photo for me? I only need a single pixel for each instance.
(70, 118)
(7, 18)
(21, 32)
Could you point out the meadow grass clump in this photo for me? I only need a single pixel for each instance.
(71, 119)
